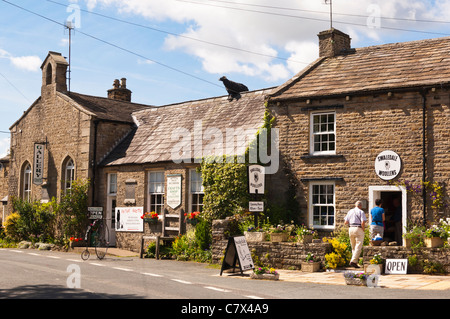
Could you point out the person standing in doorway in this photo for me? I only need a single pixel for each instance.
(397, 219)
(356, 219)
(377, 224)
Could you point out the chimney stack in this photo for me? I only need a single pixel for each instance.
(333, 42)
(120, 91)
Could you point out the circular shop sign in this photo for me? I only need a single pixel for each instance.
(387, 165)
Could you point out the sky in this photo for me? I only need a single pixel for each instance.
(173, 51)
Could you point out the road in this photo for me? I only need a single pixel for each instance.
(34, 274)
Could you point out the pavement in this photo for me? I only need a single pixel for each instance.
(408, 281)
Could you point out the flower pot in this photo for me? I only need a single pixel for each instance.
(151, 220)
(311, 266)
(306, 239)
(356, 281)
(265, 276)
(255, 236)
(378, 269)
(278, 237)
(192, 221)
(434, 242)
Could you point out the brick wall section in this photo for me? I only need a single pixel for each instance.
(365, 126)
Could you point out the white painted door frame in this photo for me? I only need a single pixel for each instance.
(375, 193)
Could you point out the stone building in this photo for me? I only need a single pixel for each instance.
(4, 170)
(154, 167)
(356, 124)
(130, 152)
(63, 135)
(339, 115)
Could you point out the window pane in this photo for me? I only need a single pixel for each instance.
(322, 204)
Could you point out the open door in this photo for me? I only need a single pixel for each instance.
(394, 204)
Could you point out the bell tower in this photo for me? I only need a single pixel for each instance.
(54, 69)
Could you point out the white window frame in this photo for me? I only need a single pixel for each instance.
(325, 204)
(69, 169)
(313, 134)
(152, 195)
(26, 191)
(111, 193)
(198, 193)
(110, 182)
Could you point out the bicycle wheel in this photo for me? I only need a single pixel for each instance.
(85, 254)
(102, 241)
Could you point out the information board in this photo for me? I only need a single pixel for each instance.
(237, 252)
(174, 190)
(129, 219)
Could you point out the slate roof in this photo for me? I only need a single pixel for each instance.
(106, 109)
(382, 67)
(152, 142)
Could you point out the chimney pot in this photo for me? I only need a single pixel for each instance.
(120, 91)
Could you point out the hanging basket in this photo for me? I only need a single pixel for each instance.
(192, 221)
(151, 221)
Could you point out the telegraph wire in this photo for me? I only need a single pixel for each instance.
(310, 18)
(181, 36)
(115, 45)
(324, 12)
(20, 92)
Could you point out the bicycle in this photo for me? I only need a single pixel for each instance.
(100, 238)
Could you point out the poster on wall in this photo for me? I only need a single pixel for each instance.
(174, 190)
(129, 219)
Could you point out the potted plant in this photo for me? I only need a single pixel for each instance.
(311, 263)
(413, 237)
(265, 273)
(356, 278)
(304, 234)
(150, 217)
(376, 262)
(254, 234)
(192, 218)
(434, 236)
(279, 234)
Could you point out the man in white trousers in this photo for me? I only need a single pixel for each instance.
(356, 219)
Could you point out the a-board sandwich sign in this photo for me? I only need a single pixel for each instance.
(237, 251)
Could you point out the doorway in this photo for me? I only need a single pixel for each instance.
(394, 204)
(111, 219)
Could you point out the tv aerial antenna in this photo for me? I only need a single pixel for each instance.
(330, 3)
(69, 25)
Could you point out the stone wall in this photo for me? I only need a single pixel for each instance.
(365, 126)
(283, 255)
(289, 255)
(439, 255)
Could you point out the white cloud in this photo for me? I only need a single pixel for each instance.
(270, 35)
(27, 63)
(4, 146)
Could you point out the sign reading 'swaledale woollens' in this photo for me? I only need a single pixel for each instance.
(388, 165)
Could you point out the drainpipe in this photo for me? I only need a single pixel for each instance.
(94, 161)
(424, 152)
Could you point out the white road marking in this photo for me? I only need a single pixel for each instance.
(150, 274)
(253, 297)
(124, 269)
(182, 281)
(218, 289)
